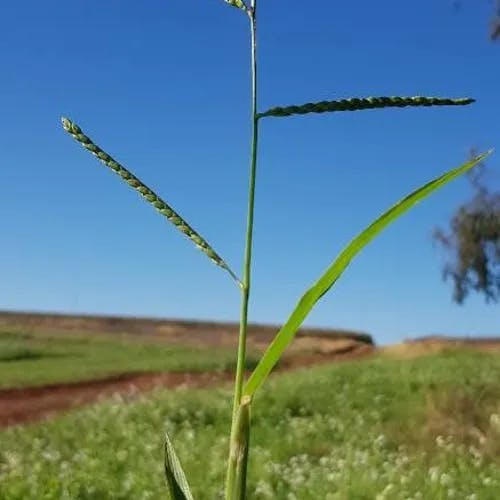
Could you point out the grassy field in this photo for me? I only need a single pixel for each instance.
(29, 360)
(427, 428)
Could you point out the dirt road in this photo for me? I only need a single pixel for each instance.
(23, 405)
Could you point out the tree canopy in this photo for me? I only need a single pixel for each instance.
(473, 243)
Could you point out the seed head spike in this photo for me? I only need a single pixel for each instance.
(358, 104)
(240, 4)
(148, 194)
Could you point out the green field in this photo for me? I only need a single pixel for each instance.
(427, 428)
(29, 360)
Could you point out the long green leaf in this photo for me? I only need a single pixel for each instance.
(326, 281)
(148, 194)
(176, 479)
(358, 104)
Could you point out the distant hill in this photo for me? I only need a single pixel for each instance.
(182, 331)
(458, 340)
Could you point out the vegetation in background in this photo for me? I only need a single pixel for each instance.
(427, 428)
(473, 238)
(42, 359)
(495, 22)
(473, 242)
(494, 31)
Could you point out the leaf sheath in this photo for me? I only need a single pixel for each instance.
(148, 194)
(358, 104)
(238, 455)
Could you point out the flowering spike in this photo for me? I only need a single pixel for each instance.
(357, 104)
(240, 4)
(148, 194)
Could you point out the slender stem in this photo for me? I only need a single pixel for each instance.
(240, 370)
(234, 490)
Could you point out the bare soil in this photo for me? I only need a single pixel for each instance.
(425, 346)
(24, 405)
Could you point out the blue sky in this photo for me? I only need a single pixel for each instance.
(164, 88)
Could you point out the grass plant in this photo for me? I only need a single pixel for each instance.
(244, 390)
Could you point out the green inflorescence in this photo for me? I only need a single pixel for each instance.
(238, 4)
(358, 104)
(147, 193)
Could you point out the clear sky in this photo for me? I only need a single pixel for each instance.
(163, 86)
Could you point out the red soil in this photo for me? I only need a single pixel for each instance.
(30, 404)
(23, 405)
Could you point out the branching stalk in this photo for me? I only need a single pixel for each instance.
(244, 392)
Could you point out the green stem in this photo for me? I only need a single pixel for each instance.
(240, 370)
(235, 490)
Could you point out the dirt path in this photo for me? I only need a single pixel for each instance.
(23, 405)
(34, 403)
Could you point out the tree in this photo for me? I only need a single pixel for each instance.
(473, 240)
(495, 22)
(473, 237)
(495, 18)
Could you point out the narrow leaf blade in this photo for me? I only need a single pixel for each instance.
(327, 280)
(148, 194)
(176, 479)
(359, 104)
